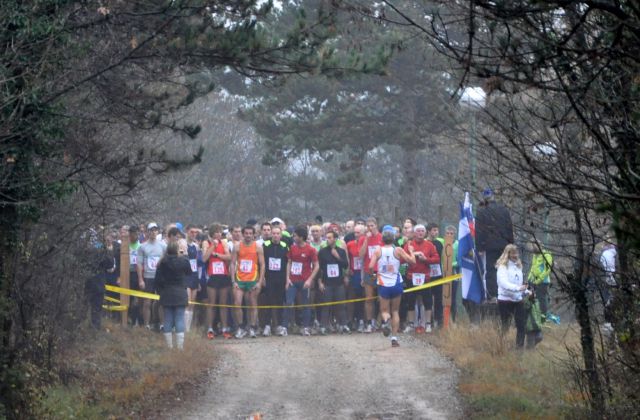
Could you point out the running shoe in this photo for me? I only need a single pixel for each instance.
(361, 326)
(210, 334)
(306, 331)
(241, 333)
(409, 328)
(345, 329)
(368, 329)
(161, 328)
(267, 331)
(148, 327)
(374, 325)
(428, 329)
(394, 342)
(323, 331)
(420, 329)
(282, 331)
(386, 328)
(226, 334)
(252, 332)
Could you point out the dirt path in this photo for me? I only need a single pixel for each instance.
(334, 377)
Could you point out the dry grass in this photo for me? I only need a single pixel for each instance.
(498, 381)
(124, 373)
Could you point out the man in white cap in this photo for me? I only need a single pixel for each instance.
(149, 255)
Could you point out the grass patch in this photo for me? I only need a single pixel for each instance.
(123, 373)
(500, 382)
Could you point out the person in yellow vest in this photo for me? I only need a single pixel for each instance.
(540, 275)
(247, 266)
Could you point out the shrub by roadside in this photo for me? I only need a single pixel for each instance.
(498, 381)
(122, 373)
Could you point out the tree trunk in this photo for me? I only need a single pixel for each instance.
(409, 186)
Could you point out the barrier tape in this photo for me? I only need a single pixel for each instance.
(153, 296)
(111, 299)
(115, 308)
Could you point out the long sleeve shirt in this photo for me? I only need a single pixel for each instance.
(510, 280)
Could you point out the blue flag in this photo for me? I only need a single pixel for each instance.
(472, 288)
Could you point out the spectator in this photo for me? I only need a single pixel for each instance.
(511, 288)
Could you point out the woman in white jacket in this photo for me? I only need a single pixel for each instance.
(511, 289)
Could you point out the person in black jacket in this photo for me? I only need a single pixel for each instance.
(494, 231)
(101, 262)
(171, 284)
(333, 262)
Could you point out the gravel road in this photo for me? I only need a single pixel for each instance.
(358, 376)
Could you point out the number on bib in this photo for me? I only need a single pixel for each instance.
(418, 279)
(152, 263)
(296, 268)
(133, 259)
(217, 267)
(435, 271)
(246, 266)
(194, 265)
(372, 250)
(357, 263)
(275, 264)
(333, 270)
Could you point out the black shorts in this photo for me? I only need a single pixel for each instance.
(219, 282)
(150, 285)
(134, 284)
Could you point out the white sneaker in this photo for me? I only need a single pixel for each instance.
(368, 329)
(252, 332)
(241, 333)
(267, 331)
(345, 329)
(361, 326)
(408, 328)
(306, 331)
(282, 331)
(323, 331)
(427, 328)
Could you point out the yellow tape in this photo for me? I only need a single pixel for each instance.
(115, 307)
(110, 299)
(153, 296)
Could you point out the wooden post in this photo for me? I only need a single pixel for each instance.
(124, 276)
(447, 268)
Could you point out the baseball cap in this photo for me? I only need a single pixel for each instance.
(277, 220)
(152, 225)
(388, 228)
(179, 226)
(488, 192)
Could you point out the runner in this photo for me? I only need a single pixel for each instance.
(216, 254)
(436, 273)
(333, 262)
(407, 310)
(149, 254)
(193, 284)
(386, 259)
(369, 243)
(265, 233)
(420, 271)
(315, 240)
(355, 311)
(247, 262)
(275, 280)
(302, 268)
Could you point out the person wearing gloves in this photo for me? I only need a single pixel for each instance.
(511, 289)
(170, 281)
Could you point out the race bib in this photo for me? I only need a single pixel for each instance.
(199, 272)
(217, 267)
(388, 268)
(372, 250)
(435, 270)
(333, 270)
(275, 264)
(418, 279)
(246, 266)
(296, 268)
(152, 263)
(194, 265)
(133, 259)
(357, 263)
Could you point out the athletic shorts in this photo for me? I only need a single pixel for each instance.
(219, 281)
(150, 285)
(354, 281)
(369, 279)
(390, 292)
(246, 285)
(192, 282)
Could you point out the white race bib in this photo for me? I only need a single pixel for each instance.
(246, 266)
(418, 279)
(133, 259)
(217, 268)
(372, 250)
(194, 265)
(275, 264)
(296, 268)
(152, 263)
(435, 270)
(333, 270)
(357, 263)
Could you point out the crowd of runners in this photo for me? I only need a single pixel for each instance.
(267, 264)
